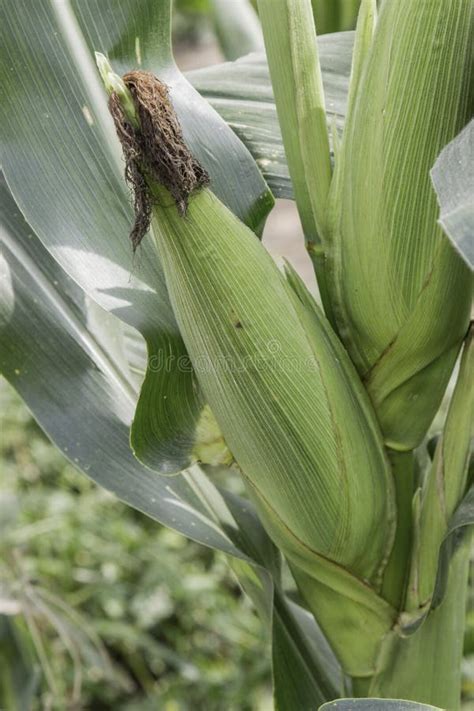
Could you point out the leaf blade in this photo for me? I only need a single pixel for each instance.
(241, 93)
(62, 162)
(453, 178)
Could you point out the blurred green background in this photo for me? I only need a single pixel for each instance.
(109, 610)
(115, 611)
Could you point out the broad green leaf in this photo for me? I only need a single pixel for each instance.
(241, 93)
(74, 380)
(453, 179)
(376, 705)
(237, 27)
(62, 163)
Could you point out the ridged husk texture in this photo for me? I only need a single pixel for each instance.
(401, 294)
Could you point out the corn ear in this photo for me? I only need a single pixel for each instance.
(401, 295)
(277, 394)
(282, 389)
(294, 414)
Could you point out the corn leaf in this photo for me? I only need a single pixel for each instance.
(242, 94)
(458, 528)
(453, 179)
(62, 163)
(74, 383)
(408, 665)
(296, 637)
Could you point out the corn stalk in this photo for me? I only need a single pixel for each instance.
(321, 411)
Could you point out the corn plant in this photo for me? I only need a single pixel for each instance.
(353, 536)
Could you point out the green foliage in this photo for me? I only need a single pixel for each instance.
(173, 625)
(320, 448)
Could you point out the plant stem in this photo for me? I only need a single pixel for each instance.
(290, 43)
(397, 570)
(426, 666)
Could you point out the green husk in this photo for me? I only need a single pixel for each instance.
(283, 391)
(294, 414)
(400, 293)
(277, 392)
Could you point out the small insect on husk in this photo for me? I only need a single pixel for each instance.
(154, 151)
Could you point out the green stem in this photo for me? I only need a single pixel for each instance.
(292, 53)
(397, 570)
(426, 666)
